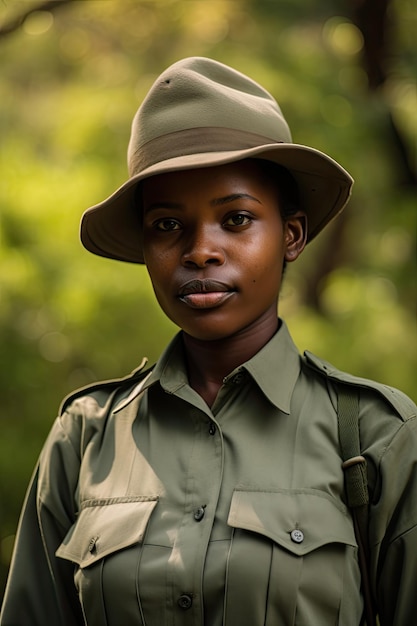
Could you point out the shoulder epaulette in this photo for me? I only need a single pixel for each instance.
(108, 385)
(402, 404)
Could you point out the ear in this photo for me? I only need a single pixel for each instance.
(295, 232)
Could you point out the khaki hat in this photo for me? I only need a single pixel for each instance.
(201, 113)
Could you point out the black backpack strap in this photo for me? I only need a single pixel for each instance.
(356, 484)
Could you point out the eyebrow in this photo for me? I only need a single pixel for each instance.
(163, 205)
(232, 197)
(216, 202)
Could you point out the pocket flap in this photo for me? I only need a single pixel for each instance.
(315, 517)
(105, 526)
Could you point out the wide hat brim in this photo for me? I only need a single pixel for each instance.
(111, 228)
(200, 113)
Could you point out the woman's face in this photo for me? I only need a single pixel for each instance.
(214, 244)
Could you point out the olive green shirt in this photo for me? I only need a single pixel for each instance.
(150, 508)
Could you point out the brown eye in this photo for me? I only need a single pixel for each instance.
(238, 219)
(167, 225)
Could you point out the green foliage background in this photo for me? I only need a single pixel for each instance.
(72, 76)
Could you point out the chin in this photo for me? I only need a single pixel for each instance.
(211, 332)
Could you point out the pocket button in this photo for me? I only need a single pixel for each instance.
(297, 536)
(92, 545)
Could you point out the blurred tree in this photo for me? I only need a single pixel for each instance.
(379, 29)
(73, 74)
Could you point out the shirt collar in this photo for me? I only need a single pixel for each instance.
(170, 370)
(275, 369)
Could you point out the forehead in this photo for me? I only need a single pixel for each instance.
(241, 176)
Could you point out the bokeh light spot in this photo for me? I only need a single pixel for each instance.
(54, 347)
(343, 37)
(38, 23)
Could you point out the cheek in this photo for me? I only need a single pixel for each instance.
(267, 259)
(154, 266)
(161, 295)
(265, 276)
(156, 260)
(158, 282)
(159, 254)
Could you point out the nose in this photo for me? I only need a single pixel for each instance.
(202, 249)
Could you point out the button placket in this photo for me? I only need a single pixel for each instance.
(205, 467)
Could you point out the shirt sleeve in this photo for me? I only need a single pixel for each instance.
(393, 530)
(40, 588)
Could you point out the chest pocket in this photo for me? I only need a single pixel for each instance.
(105, 546)
(293, 560)
(105, 527)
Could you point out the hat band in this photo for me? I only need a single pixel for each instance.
(194, 141)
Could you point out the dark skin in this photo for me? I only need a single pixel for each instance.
(214, 244)
(209, 362)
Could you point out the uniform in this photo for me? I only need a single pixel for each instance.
(152, 509)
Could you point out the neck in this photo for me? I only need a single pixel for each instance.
(208, 362)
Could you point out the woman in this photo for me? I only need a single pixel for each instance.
(209, 489)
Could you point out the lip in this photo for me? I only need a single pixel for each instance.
(203, 285)
(204, 293)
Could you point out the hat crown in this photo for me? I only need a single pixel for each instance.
(200, 113)
(202, 93)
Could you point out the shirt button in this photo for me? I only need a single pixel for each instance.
(212, 428)
(92, 544)
(297, 536)
(199, 513)
(238, 378)
(185, 601)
